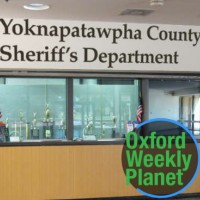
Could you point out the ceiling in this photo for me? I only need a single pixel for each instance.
(182, 12)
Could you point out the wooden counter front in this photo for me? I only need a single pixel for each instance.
(64, 172)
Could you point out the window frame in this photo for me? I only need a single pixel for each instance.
(69, 75)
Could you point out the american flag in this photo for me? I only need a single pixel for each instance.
(139, 112)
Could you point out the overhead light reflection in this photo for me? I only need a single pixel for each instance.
(36, 6)
(156, 2)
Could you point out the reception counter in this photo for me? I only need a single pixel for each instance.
(52, 170)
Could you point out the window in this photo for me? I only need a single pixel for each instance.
(190, 112)
(176, 99)
(33, 108)
(102, 107)
(37, 108)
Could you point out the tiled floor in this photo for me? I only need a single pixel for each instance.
(179, 197)
(198, 198)
(187, 198)
(195, 197)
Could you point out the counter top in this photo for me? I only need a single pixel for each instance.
(57, 142)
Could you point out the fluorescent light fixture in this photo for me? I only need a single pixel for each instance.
(36, 6)
(156, 2)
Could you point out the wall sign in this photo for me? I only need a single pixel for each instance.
(75, 45)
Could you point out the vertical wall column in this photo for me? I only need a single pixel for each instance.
(145, 98)
(70, 117)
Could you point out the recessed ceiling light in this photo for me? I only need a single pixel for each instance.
(36, 6)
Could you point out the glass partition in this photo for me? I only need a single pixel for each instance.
(103, 107)
(36, 108)
(32, 108)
